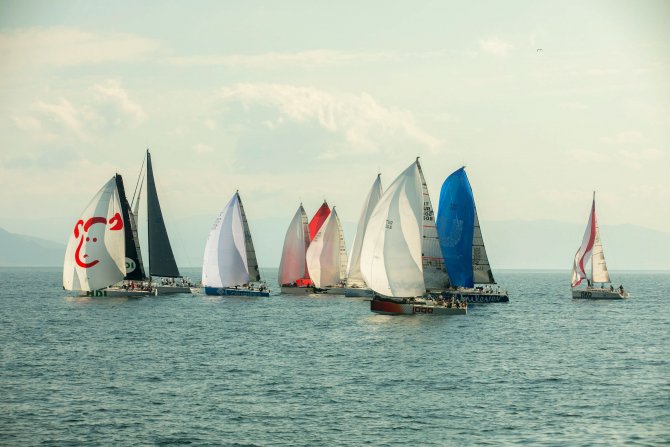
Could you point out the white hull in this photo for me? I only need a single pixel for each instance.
(114, 292)
(598, 294)
(297, 290)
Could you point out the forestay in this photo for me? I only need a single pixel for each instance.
(354, 276)
(95, 254)
(391, 253)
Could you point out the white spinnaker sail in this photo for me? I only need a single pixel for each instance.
(95, 257)
(354, 276)
(434, 272)
(481, 269)
(225, 259)
(391, 253)
(323, 255)
(599, 271)
(292, 265)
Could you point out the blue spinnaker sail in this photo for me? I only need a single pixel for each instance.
(455, 227)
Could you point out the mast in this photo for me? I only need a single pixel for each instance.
(161, 258)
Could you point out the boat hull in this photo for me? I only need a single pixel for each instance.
(387, 307)
(598, 294)
(113, 292)
(476, 296)
(227, 291)
(171, 290)
(285, 290)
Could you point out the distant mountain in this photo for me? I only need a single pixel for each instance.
(546, 244)
(17, 250)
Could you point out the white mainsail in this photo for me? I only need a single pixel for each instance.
(96, 252)
(324, 255)
(354, 276)
(481, 269)
(434, 272)
(391, 253)
(225, 259)
(599, 271)
(292, 265)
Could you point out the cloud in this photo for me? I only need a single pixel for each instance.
(302, 59)
(627, 137)
(103, 107)
(636, 159)
(495, 46)
(202, 148)
(62, 47)
(589, 156)
(363, 123)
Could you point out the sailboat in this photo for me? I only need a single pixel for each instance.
(592, 250)
(355, 284)
(95, 257)
(161, 258)
(326, 255)
(392, 254)
(293, 274)
(462, 243)
(229, 265)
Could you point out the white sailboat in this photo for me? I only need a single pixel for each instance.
(326, 256)
(355, 284)
(229, 264)
(592, 250)
(95, 257)
(293, 273)
(392, 253)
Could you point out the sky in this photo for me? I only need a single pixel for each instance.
(301, 101)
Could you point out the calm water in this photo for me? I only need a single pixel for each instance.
(192, 369)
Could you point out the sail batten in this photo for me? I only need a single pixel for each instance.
(161, 257)
(354, 276)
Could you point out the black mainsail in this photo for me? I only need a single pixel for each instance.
(161, 258)
(134, 266)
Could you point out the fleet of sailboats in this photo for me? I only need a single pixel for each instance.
(402, 256)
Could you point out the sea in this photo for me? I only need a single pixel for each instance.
(543, 369)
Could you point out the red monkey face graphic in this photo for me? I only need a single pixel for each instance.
(116, 223)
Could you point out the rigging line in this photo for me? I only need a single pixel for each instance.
(140, 178)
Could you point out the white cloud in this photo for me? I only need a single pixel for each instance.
(627, 137)
(202, 149)
(122, 109)
(359, 119)
(589, 156)
(69, 46)
(303, 59)
(636, 159)
(495, 46)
